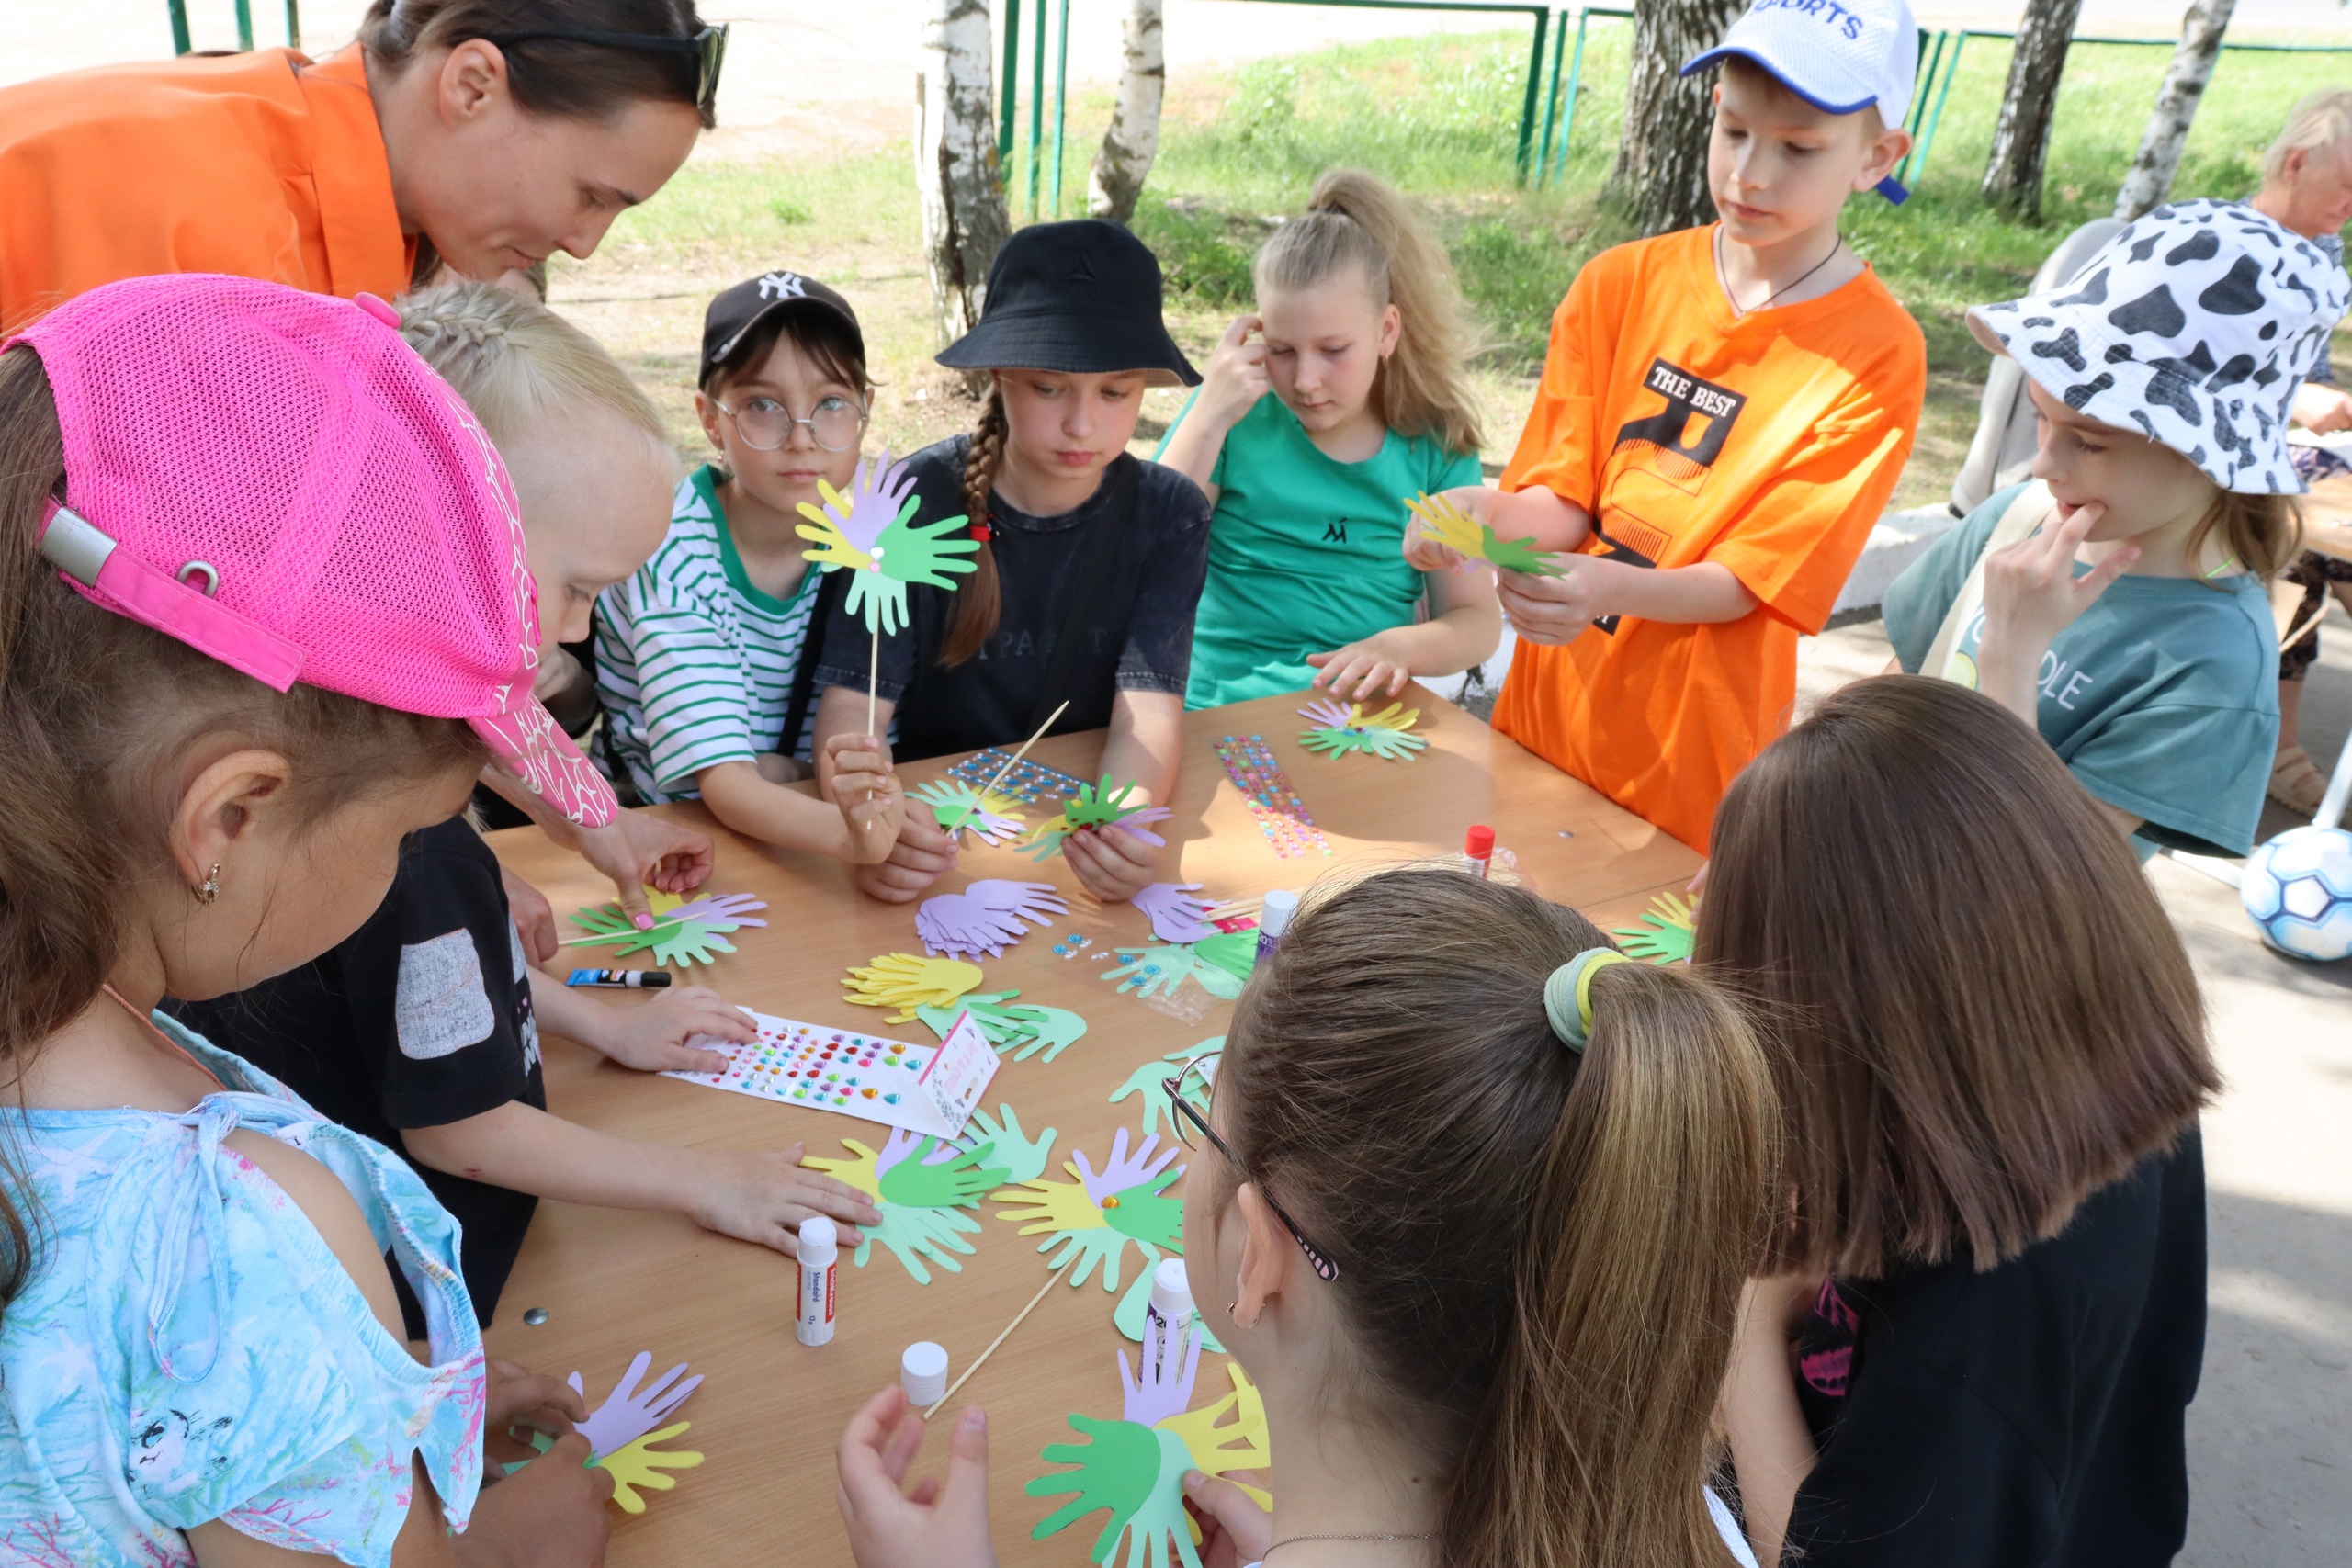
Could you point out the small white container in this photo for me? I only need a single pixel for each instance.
(1165, 1314)
(819, 1263)
(923, 1373)
(1273, 919)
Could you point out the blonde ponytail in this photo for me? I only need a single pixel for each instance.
(1357, 221)
(516, 363)
(1540, 1251)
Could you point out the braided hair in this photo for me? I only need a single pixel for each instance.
(515, 361)
(978, 605)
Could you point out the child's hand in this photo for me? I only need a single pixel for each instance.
(547, 1515)
(1361, 668)
(1112, 863)
(2030, 591)
(842, 751)
(1424, 553)
(1236, 375)
(517, 1396)
(927, 1525)
(921, 857)
(763, 1198)
(534, 917)
(1554, 610)
(1234, 1529)
(638, 851)
(652, 1037)
(864, 787)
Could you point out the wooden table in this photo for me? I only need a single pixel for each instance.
(2327, 518)
(614, 1282)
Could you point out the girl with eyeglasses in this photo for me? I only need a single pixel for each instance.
(707, 657)
(1470, 1203)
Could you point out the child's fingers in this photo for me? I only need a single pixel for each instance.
(1238, 331)
(2093, 582)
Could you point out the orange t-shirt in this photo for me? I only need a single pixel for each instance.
(1768, 442)
(260, 165)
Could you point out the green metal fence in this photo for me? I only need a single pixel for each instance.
(181, 43)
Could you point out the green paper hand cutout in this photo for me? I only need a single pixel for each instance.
(1117, 1469)
(1024, 1158)
(1236, 953)
(1157, 971)
(921, 1236)
(1030, 1028)
(1438, 518)
(1136, 1472)
(1667, 933)
(960, 1181)
(1150, 1081)
(872, 534)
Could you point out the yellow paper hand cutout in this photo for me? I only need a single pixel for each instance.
(1445, 523)
(1049, 1205)
(865, 1172)
(1213, 1447)
(834, 548)
(640, 1464)
(903, 981)
(1395, 715)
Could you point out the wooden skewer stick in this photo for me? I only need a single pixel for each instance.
(999, 1339)
(1011, 763)
(2305, 629)
(1238, 907)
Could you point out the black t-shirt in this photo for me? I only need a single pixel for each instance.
(2027, 1417)
(420, 1018)
(1139, 631)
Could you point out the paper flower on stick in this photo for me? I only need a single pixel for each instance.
(1134, 1467)
(901, 980)
(1176, 915)
(682, 933)
(1342, 729)
(1097, 1217)
(871, 533)
(958, 807)
(1448, 525)
(1667, 931)
(1023, 1030)
(922, 1188)
(1096, 805)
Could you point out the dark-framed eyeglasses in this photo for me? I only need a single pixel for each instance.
(765, 423)
(707, 50)
(1187, 1119)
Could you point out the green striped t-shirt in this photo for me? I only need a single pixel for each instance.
(694, 663)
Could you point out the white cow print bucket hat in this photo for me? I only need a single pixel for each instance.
(2194, 326)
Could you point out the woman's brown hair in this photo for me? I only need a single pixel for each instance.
(96, 712)
(1540, 1253)
(1981, 1012)
(1359, 222)
(979, 604)
(570, 77)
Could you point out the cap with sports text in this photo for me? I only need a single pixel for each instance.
(731, 317)
(278, 480)
(1840, 56)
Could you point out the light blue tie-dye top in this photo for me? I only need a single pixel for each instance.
(186, 1346)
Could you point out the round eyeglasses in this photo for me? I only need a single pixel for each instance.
(765, 425)
(1188, 1099)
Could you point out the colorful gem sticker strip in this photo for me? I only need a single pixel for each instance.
(1274, 800)
(1030, 780)
(857, 1075)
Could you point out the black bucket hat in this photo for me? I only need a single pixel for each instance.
(1081, 298)
(734, 313)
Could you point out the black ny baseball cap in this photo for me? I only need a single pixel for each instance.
(732, 315)
(1081, 298)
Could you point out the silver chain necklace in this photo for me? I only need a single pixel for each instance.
(1766, 303)
(1385, 1535)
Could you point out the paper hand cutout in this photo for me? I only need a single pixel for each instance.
(871, 532)
(1158, 971)
(1236, 953)
(639, 1464)
(1442, 520)
(629, 1412)
(682, 934)
(1342, 729)
(920, 1237)
(1667, 934)
(929, 1175)
(1036, 902)
(1150, 1081)
(1024, 1157)
(1166, 1387)
(1094, 1219)
(960, 925)
(903, 981)
(1031, 1029)
(1176, 915)
(1096, 805)
(956, 806)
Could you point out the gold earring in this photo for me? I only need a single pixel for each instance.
(211, 888)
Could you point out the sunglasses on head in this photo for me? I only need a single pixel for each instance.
(1187, 1117)
(707, 50)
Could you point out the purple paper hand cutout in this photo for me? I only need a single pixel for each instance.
(1175, 915)
(629, 1413)
(714, 908)
(959, 925)
(873, 506)
(1328, 714)
(1036, 902)
(1123, 1170)
(1164, 1389)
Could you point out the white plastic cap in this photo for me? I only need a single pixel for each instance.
(818, 1231)
(1171, 1293)
(1274, 914)
(923, 1373)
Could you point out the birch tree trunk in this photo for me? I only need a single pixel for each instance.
(2150, 179)
(1133, 140)
(964, 217)
(1660, 177)
(2021, 135)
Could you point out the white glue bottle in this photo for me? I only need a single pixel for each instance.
(1165, 1314)
(922, 1374)
(819, 1259)
(1273, 919)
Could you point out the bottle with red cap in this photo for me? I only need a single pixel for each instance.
(1478, 850)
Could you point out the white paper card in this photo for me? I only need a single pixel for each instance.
(923, 1089)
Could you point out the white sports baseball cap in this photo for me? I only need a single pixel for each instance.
(1840, 56)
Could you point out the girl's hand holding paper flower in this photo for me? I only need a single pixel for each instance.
(922, 855)
(1111, 863)
(864, 787)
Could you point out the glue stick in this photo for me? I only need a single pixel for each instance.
(923, 1373)
(1478, 850)
(1165, 1314)
(1273, 919)
(820, 1257)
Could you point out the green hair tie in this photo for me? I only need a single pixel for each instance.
(1567, 995)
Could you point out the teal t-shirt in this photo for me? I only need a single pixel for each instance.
(1305, 554)
(2162, 697)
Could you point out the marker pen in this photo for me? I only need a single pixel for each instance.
(633, 979)
(1478, 850)
(1273, 919)
(819, 1260)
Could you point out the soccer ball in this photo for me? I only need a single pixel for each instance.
(2298, 891)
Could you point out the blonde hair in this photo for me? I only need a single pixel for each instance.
(2264, 533)
(1355, 220)
(516, 363)
(2322, 119)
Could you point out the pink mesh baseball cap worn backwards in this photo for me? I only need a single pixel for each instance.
(275, 479)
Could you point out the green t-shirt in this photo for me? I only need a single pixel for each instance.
(1305, 554)
(2162, 697)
